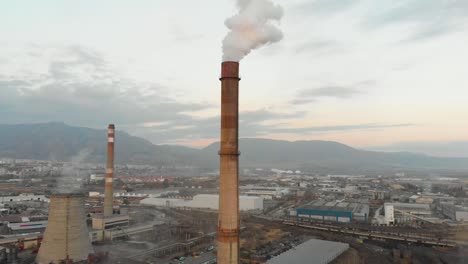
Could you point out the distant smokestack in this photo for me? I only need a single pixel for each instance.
(109, 189)
(228, 219)
(66, 236)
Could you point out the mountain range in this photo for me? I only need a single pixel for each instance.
(61, 142)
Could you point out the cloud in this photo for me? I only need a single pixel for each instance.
(251, 124)
(340, 128)
(425, 33)
(80, 88)
(324, 7)
(426, 18)
(342, 92)
(249, 117)
(330, 91)
(422, 19)
(183, 36)
(320, 46)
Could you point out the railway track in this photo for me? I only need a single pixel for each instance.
(407, 238)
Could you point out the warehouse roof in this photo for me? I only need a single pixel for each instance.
(336, 206)
(320, 251)
(216, 196)
(411, 205)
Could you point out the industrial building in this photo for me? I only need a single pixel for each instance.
(115, 233)
(23, 198)
(165, 202)
(406, 212)
(312, 251)
(265, 192)
(27, 226)
(389, 214)
(16, 224)
(419, 199)
(380, 195)
(205, 201)
(333, 211)
(455, 212)
(102, 223)
(211, 200)
(416, 209)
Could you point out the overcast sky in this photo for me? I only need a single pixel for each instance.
(365, 73)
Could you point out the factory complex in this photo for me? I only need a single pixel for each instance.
(180, 220)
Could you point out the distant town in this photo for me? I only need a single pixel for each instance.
(175, 215)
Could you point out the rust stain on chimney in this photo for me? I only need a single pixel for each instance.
(228, 219)
(109, 189)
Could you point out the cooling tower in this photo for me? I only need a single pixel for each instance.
(66, 236)
(228, 219)
(109, 189)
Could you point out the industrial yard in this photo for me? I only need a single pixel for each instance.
(162, 225)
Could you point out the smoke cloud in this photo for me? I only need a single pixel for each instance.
(253, 27)
(73, 173)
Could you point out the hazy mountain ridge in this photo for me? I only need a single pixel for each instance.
(437, 149)
(58, 141)
(333, 156)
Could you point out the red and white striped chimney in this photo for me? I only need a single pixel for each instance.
(109, 189)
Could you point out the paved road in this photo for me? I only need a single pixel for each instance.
(205, 258)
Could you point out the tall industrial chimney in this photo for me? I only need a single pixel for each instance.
(228, 219)
(66, 237)
(109, 189)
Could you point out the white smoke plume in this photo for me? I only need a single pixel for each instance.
(252, 27)
(73, 173)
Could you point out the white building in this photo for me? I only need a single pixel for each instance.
(389, 214)
(27, 226)
(408, 212)
(205, 201)
(265, 192)
(94, 177)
